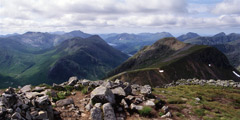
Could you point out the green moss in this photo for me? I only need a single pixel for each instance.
(176, 101)
(84, 90)
(160, 114)
(68, 88)
(146, 111)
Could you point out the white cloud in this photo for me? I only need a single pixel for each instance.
(228, 7)
(118, 15)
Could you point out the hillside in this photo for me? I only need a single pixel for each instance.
(89, 58)
(131, 43)
(169, 59)
(228, 44)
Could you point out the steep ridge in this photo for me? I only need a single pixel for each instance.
(228, 44)
(169, 59)
(89, 58)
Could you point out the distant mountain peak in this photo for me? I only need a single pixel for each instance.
(189, 35)
(221, 34)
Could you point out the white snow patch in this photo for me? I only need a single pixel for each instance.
(236, 74)
(161, 71)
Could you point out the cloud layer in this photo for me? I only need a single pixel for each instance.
(97, 16)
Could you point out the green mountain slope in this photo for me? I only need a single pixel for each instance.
(89, 58)
(169, 59)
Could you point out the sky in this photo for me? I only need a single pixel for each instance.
(205, 17)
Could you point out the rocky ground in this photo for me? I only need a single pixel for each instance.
(117, 100)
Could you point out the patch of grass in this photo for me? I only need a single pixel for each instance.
(176, 101)
(178, 114)
(160, 114)
(84, 90)
(146, 111)
(216, 102)
(68, 88)
(199, 112)
(45, 85)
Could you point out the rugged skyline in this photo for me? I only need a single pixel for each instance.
(107, 16)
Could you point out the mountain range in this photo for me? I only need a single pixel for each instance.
(36, 57)
(228, 44)
(131, 43)
(169, 59)
(39, 61)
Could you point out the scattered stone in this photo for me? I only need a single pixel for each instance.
(85, 82)
(167, 115)
(102, 95)
(64, 102)
(136, 107)
(26, 88)
(57, 87)
(43, 102)
(72, 81)
(165, 109)
(31, 95)
(146, 89)
(124, 103)
(98, 105)
(150, 103)
(42, 115)
(39, 89)
(17, 116)
(108, 112)
(96, 113)
(197, 99)
(118, 91)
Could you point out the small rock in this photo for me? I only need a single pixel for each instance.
(150, 103)
(42, 115)
(146, 89)
(167, 115)
(72, 81)
(26, 88)
(118, 91)
(124, 103)
(17, 116)
(197, 99)
(136, 107)
(64, 102)
(96, 113)
(98, 105)
(43, 102)
(108, 112)
(102, 95)
(39, 89)
(165, 109)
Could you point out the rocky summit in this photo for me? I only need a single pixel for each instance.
(113, 100)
